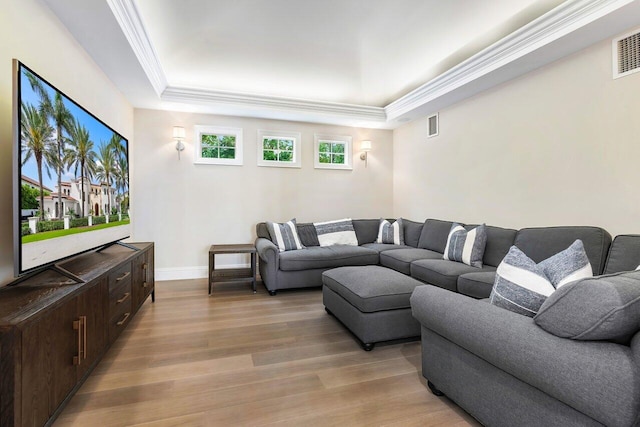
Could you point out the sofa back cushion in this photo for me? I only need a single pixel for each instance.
(624, 254)
(262, 230)
(366, 230)
(540, 243)
(499, 240)
(412, 231)
(434, 235)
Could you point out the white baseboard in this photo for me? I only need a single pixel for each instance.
(194, 272)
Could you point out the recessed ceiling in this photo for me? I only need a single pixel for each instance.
(337, 61)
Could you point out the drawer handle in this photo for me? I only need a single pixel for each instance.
(124, 276)
(145, 284)
(145, 266)
(124, 319)
(124, 298)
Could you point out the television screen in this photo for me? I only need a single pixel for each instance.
(71, 183)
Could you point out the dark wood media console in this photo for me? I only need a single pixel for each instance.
(54, 331)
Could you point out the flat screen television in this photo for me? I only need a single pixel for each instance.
(71, 176)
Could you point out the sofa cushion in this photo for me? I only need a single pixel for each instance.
(434, 235)
(391, 232)
(598, 308)
(366, 230)
(541, 243)
(412, 231)
(285, 235)
(327, 257)
(477, 284)
(466, 246)
(624, 254)
(499, 240)
(336, 232)
(598, 379)
(381, 247)
(441, 272)
(401, 259)
(372, 288)
(308, 235)
(521, 285)
(567, 266)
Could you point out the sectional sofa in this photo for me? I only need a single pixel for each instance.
(420, 256)
(499, 366)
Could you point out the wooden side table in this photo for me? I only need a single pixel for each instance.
(232, 275)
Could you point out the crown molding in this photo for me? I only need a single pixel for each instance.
(356, 113)
(128, 17)
(459, 82)
(548, 28)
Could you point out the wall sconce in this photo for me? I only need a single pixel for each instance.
(365, 146)
(178, 136)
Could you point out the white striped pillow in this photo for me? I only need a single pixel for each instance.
(285, 236)
(391, 233)
(337, 232)
(466, 246)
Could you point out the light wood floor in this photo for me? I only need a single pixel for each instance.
(238, 359)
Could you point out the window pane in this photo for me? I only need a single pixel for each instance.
(338, 159)
(269, 155)
(286, 144)
(210, 153)
(324, 147)
(227, 141)
(324, 157)
(270, 144)
(337, 147)
(210, 140)
(286, 156)
(227, 153)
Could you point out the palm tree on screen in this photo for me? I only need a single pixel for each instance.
(121, 180)
(82, 156)
(106, 170)
(62, 119)
(35, 135)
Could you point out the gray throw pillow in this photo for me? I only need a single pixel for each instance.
(567, 266)
(285, 236)
(392, 233)
(597, 308)
(337, 232)
(521, 285)
(466, 246)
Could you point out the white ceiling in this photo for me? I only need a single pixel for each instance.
(303, 59)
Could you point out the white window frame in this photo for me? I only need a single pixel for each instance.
(217, 130)
(344, 139)
(295, 136)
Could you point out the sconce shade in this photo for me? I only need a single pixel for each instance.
(178, 132)
(365, 145)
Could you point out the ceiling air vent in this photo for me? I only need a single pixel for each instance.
(626, 54)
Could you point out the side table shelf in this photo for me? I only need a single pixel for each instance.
(232, 274)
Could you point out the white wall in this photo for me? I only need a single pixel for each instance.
(31, 33)
(558, 146)
(185, 207)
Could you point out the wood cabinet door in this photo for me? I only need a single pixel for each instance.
(92, 306)
(48, 373)
(142, 284)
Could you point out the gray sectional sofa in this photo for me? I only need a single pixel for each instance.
(499, 366)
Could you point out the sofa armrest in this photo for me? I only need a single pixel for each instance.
(269, 262)
(605, 373)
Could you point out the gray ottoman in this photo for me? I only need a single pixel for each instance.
(372, 302)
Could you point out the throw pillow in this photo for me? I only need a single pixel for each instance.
(567, 266)
(337, 232)
(521, 285)
(638, 267)
(597, 308)
(285, 236)
(391, 233)
(466, 246)
(308, 235)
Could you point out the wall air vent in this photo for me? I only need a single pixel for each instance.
(433, 126)
(626, 54)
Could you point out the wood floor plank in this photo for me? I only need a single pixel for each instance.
(238, 358)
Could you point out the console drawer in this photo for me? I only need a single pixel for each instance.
(119, 318)
(118, 296)
(119, 276)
